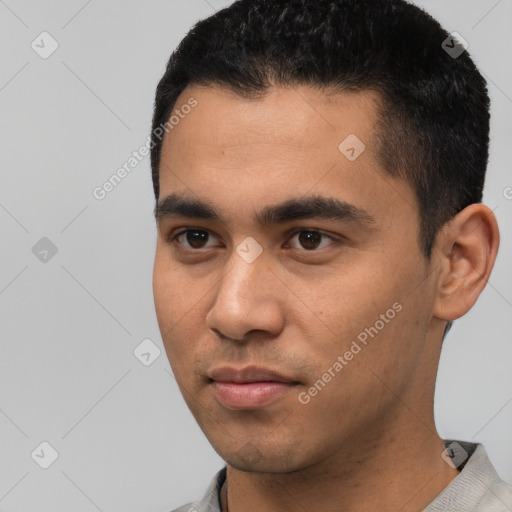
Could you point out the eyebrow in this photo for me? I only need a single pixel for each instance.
(305, 207)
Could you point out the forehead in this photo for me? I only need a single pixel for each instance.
(289, 142)
(296, 117)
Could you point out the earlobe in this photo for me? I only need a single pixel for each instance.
(466, 249)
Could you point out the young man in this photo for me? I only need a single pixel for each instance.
(318, 168)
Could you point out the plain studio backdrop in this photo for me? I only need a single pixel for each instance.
(77, 83)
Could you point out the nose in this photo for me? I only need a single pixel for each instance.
(249, 297)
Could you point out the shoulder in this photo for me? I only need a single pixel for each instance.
(198, 506)
(496, 494)
(185, 508)
(497, 497)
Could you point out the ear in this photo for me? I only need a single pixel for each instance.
(466, 249)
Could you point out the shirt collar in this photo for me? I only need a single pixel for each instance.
(476, 477)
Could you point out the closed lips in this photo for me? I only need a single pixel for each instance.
(248, 375)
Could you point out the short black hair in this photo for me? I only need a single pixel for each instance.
(433, 128)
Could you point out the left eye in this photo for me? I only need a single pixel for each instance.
(311, 240)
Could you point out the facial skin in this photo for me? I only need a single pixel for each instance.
(296, 308)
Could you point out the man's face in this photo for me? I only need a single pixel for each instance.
(255, 315)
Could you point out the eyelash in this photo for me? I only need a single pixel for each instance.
(173, 239)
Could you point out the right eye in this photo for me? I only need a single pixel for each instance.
(191, 239)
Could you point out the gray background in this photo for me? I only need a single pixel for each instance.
(69, 325)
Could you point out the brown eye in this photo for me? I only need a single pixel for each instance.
(196, 239)
(311, 239)
(192, 238)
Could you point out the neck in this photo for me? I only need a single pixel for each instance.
(394, 473)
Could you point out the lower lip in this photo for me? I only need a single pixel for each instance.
(250, 395)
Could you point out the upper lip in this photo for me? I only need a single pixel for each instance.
(247, 374)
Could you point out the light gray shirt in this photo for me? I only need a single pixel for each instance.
(477, 488)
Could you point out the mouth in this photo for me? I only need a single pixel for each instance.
(250, 387)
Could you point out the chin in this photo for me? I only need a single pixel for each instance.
(261, 459)
(264, 466)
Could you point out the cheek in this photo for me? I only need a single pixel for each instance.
(180, 310)
(351, 300)
(173, 293)
(162, 292)
(366, 312)
(169, 293)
